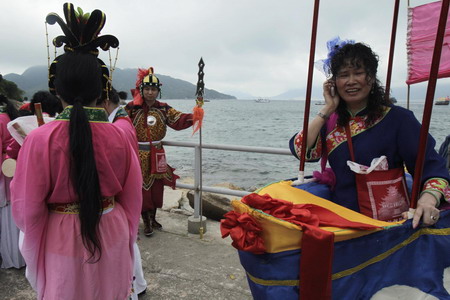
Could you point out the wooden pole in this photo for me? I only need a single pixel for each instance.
(429, 103)
(409, 87)
(407, 97)
(308, 90)
(391, 50)
(38, 112)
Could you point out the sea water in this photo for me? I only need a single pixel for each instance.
(248, 123)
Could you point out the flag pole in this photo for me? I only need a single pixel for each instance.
(409, 86)
(391, 50)
(301, 172)
(197, 121)
(408, 95)
(429, 102)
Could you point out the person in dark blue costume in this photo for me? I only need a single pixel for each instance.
(377, 128)
(443, 150)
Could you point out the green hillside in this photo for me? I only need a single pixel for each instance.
(35, 79)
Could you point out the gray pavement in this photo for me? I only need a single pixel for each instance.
(176, 264)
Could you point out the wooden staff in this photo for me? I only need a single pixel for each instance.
(429, 103)
(301, 171)
(38, 112)
(391, 50)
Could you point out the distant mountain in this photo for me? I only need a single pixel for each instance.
(10, 89)
(31, 81)
(36, 78)
(418, 92)
(300, 94)
(295, 94)
(241, 95)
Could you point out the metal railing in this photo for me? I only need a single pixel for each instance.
(196, 186)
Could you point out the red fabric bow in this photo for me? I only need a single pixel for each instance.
(244, 231)
(281, 209)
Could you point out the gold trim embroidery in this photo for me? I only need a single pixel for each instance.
(380, 257)
(357, 126)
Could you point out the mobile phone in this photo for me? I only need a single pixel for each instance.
(332, 91)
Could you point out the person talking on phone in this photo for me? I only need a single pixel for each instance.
(357, 125)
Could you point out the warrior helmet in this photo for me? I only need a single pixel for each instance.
(149, 80)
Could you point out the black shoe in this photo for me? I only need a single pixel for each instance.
(156, 225)
(148, 230)
(143, 292)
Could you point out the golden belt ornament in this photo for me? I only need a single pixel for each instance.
(73, 208)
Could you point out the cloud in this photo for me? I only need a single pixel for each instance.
(259, 47)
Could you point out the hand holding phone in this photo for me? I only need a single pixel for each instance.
(330, 84)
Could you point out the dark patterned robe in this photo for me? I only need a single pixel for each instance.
(395, 134)
(165, 115)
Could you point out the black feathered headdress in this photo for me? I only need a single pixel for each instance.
(81, 34)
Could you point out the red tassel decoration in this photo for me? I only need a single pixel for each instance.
(197, 118)
(137, 98)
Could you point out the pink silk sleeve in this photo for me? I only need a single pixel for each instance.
(131, 195)
(12, 151)
(129, 130)
(4, 135)
(29, 207)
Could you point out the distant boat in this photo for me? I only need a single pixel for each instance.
(442, 101)
(320, 103)
(262, 100)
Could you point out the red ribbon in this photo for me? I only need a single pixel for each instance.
(244, 231)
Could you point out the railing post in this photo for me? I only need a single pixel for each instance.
(197, 182)
(197, 223)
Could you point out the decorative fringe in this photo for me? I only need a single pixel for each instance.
(141, 74)
(137, 98)
(197, 119)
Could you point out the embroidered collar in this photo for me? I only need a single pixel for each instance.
(121, 112)
(118, 112)
(357, 125)
(359, 112)
(94, 114)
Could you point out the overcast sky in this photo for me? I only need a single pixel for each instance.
(258, 47)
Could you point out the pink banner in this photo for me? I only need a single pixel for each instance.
(422, 27)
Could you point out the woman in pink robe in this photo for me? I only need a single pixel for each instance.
(119, 117)
(73, 251)
(9, 233)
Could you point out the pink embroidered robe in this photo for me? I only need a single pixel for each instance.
(52, 246)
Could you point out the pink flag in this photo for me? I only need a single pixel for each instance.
(422, 27)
